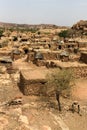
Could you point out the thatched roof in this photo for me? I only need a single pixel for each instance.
(16, 51)
(38, 55)
(64, 53)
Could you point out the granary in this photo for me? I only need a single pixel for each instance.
(64, 56)
(38, 56)
(16, 54)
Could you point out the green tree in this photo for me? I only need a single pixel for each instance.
(1, 32)
(67, 33)
(63, 33)
(60, 81)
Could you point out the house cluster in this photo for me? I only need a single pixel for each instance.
(43, 48)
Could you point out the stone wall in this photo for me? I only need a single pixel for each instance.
(38, 87)
(80, 72)
(40, 63)
(30, 57)
(82, 45)
(16, 57)
(32, 87)
(51, 56)
(46, 55)
(83, 57)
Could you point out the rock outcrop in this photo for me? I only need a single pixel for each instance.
(80, 28)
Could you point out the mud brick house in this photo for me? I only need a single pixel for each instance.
(7, 62)
(46, 54)
(82, 44)
(60, 46)
(38, 57)
(32, 81)
(71, 45)
(5, 53)
(64, 56)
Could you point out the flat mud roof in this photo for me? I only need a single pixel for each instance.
(34, 74)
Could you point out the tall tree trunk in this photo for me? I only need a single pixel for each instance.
(58, 100)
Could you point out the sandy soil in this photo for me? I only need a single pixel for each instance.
(72, 121)
(80, 90)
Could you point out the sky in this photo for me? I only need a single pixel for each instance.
(58, 12)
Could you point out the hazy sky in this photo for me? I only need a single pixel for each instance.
(59, 12)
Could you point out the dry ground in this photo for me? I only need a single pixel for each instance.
(72, 121)
(80, 91)
(42, 113)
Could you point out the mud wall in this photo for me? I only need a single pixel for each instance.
(82, 45)
(51, 56)
(83, 57)
(32, 87)
(38, 87)
(79, 72)
(46, 55)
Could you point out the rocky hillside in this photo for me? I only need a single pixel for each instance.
(80, 27)
(44, 26)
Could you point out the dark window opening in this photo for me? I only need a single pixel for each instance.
(15, 39)
(4, 62)
(26, 51)
(68, 46)
(60, 47)
(24, 40)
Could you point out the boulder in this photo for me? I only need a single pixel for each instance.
(23, 119)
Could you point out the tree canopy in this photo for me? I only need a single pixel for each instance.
(60, 81)
(67, 33)
(1, 32)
